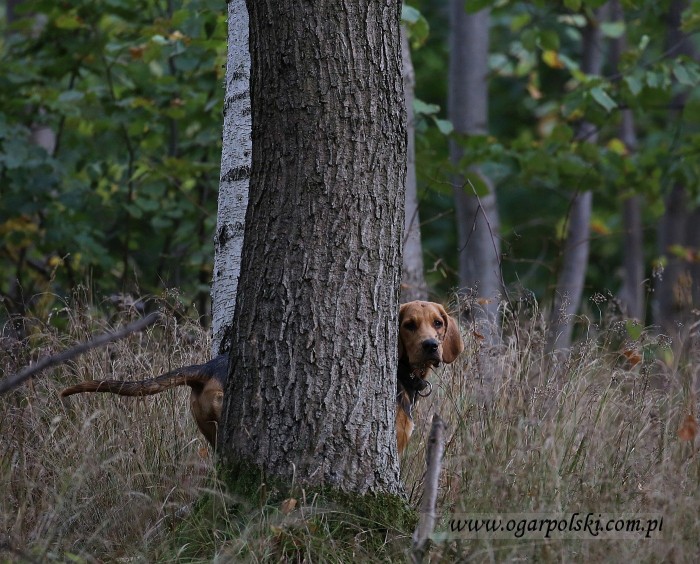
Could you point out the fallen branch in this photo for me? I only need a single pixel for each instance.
(427, 517)
(48, 361)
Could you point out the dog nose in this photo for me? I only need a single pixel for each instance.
(430, 345)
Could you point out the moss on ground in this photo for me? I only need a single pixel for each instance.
(253, 517)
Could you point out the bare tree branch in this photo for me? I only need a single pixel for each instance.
(16, 379)
(433, 460)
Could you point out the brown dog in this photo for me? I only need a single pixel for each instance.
(206, 399)
(427, 336)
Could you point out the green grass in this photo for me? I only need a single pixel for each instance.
(102, 478)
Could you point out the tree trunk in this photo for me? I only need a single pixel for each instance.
(413, 285)
(676, 287)
(312, 382)
(632, 291)
(670, 297)
(477, 216)
(692, 240)
(235, 175)
(572, 274)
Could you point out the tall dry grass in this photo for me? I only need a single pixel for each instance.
(594, 430)
(102, 477)
(96, 476)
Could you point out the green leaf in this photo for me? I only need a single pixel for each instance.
(422, 108)
(634, 329)
(562, 133)
(134, 211)
(573, 5)
(445, 126)
(691, 21)
(69, 96)
(474, 184)
(416, 25)
(68, 21)
(685, 75)
(529, 38)
(602, 97)
(573, 165)
(614, 30)
(643, 42)
(549, 40)
(474, 6)
(147, 205)
(409, 14)
(634, 84)
(520, 21)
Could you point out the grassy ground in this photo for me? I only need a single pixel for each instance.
(102, 478)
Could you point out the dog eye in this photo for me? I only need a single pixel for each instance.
(438, 323)
(410, 325)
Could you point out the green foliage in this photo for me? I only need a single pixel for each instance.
(417, 26)
(537, 152)
(131, 91)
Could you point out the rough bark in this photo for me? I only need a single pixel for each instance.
(632, 290)
(477, 217)
(413, 285)
(235, 176)
(313, 365)
(574, 257)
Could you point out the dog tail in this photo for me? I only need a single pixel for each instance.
(194, 376)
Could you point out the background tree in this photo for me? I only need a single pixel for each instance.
(314, 336)
(574, 256)
(475, 198)
(678, 284)
(632, 289)
(125, 204)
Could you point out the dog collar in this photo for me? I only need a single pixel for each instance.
(413, 381)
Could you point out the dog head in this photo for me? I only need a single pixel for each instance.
(427, 335)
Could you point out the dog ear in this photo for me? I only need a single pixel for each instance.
(402, 350)
(453, 344)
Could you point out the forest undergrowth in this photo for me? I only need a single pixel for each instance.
(608, 427)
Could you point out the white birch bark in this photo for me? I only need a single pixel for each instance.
(235, 176)
(413, 285)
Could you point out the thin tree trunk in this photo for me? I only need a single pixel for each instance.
(477, 217)
(676, 286)
(669, 294)
(311, 390)
(692, 240)
(235, 176)
(572, 274)
(413, 285)
(632, 291)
